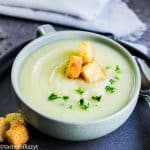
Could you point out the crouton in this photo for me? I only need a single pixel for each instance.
(3, 128)
(85, 51)
(74, 67)
(93, 72)
(14, 119)
(17, 135)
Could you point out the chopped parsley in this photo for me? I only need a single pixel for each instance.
(70, 107)
(112, 81)
(110, 89)
(84, 105)
(79, 91)
(117, 78)
(108, 67)
(53, 96)
(117, 69)
(65, 97)
(97, 98)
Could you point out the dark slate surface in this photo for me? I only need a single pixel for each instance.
(133, 135)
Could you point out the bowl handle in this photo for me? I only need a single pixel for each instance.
(45, 29)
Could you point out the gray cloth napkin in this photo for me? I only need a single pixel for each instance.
(104, 16)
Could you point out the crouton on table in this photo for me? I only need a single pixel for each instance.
(93, 72)
(85, 51)
(14, 119)
(3, 128)
(17, 135)
(74, 67)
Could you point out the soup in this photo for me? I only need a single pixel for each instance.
(44, 83)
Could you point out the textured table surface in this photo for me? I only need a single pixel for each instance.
(133, 135)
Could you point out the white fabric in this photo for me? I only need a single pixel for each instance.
(111, 16)
(86, 9)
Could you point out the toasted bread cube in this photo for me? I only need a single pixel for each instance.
(17, 135)
(74, 67)
(14, 119)
(93, 72)
(3, 128)
(85, 51)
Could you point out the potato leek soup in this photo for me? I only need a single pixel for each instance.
(76, 80)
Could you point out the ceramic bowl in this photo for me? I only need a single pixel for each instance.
(76, 131)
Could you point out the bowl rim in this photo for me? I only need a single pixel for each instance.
(124, 108)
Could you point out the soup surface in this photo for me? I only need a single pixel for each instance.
(43, 73)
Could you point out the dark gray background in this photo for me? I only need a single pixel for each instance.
(133, 135)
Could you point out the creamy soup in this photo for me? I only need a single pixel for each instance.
(43, 73)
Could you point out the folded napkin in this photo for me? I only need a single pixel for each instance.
(84, 9)
(105, 16)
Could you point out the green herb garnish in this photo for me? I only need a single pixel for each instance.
(117, 78)
(112, 81)
(117, 69)
(110, 89)
(53, 96)
(80, 91)
(83, 104)
(70, 107)
(108, 67)
(65, 97)
(97, 98)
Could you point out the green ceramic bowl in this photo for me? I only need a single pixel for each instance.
(76, 131)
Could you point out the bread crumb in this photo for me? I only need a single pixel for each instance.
(85, 51)
(74, 67)
(17, 135)
(14, 119)
(93, 72)
(3, 128)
